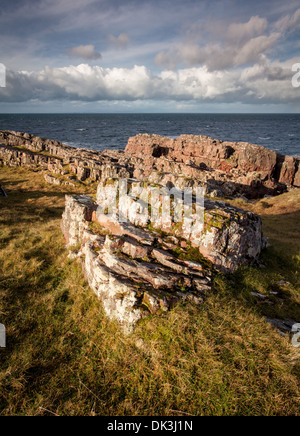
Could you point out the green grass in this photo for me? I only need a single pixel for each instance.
(65, 357)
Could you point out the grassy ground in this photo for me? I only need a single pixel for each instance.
(64, 356)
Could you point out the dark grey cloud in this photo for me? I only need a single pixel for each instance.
(237, 45)
(120, 42)
(87, 52)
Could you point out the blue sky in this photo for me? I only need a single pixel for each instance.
(149, 56)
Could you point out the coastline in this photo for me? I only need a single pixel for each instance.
(225, 169)
(278, 132)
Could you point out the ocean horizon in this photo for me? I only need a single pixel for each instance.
(278, 132)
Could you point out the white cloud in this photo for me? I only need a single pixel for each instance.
(264, 82)
(85, 52)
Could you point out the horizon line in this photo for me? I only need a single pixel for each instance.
(149, 113)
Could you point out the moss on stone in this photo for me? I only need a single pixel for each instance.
(98, 229)
(110, 182)
(177, 227)
(215, 220)
(191, 254)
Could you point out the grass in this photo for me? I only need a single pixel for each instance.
(64, 357)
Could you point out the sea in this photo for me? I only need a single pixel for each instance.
(279, 132)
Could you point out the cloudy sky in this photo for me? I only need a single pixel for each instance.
(149, 55)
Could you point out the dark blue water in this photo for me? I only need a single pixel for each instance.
(279, 132)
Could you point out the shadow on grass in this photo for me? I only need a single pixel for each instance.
(272, 289)
(23, 206)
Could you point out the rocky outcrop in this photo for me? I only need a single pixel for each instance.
(130, 271)
(240, 167)
(139, 265)
(226, 235)
(15, 157)
(223, 169)
(22, 149)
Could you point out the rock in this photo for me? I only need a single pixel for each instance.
(119, 228)
(258, 295)
(129, 274)
(134, 250)
(51, 179)
(21, 149)
(288, 170)
(284, 326)
(226, 235)
(76, 217)
(252, 170)
(119, 295)
(296, 182)
(132, 268)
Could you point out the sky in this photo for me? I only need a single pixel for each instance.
(110, 56)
